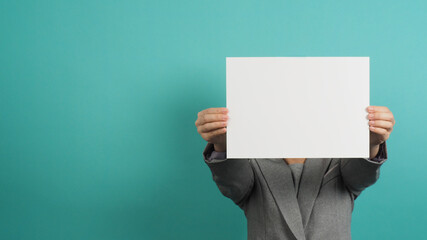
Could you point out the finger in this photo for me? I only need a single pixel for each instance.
(207, 118)
(210, 135)
(377, 109)
(208, 127)
(381, 109)
(213, 110)
(381, 116)
(381, 124)
(380, 131)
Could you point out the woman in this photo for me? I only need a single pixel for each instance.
(294, 198)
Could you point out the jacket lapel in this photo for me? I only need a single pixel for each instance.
(311, 179)
(296, 210)
(279, 179)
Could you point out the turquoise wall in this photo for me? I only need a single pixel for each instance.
(98, 101)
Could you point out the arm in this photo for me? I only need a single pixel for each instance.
(234, 177)
(360, 173)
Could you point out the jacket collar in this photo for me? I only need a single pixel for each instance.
(295, 209)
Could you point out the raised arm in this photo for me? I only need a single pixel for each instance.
(360, 173)
(234, 177)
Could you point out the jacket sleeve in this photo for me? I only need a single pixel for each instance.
(234, 177)
(360, 173)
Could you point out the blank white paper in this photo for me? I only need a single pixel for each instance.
(297, 107)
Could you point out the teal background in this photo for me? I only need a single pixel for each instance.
(98, 101)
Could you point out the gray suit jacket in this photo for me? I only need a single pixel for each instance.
(264, 190)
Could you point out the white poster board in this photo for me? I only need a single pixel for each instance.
(297, 107)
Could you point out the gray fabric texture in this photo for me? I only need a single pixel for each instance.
(264, 189)
(296, 170)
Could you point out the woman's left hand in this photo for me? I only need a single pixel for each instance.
(381, 123)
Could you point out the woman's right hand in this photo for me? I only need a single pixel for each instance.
(211, 124)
